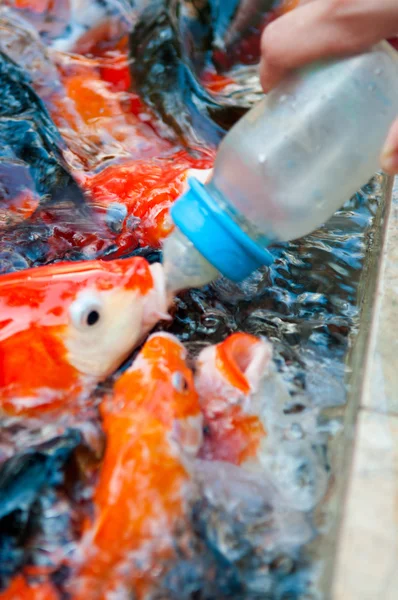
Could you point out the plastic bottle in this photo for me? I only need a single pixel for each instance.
(285, 168)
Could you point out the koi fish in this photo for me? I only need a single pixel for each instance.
(96, 117)
(104, 120)
(243, 515)
(21, 42)
(226, 375)
(137, 196)
(153, 428)
(162, 58)
(20, 589)
(243, 400)
(97, 121)
(239, 40)
(30, 491)
(172, 44)
(37, 189)
(30, 142)
(65, 327)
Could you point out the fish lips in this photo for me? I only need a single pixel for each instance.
(158, 301)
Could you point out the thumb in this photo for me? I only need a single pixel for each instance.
(389, 155)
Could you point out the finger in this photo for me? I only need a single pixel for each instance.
(314, 31)
(285, 43)
(389, 156)
(302, 36)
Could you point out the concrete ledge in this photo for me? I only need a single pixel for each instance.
(366, 566)
(367, 557)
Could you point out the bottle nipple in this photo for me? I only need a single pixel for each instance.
(184, 266)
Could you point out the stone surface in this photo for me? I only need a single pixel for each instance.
(366, 562)
(367, 559)
(381, 389)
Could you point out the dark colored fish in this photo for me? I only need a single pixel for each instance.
(43, 214)
(29, 140)
(23, 476)
(23, 479)
(171, 41)
(251, 539)
(237, 37)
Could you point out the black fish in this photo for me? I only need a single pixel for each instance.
(171, 43)
(31, 159)
(29, 140)
(251, 538)
(23, 480)
(244, 23)
(166, 46)
(23, 476)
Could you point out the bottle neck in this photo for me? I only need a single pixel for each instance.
(243, 223)
(215, 234)
(185, 267)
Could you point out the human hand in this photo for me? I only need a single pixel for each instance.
(319, 29)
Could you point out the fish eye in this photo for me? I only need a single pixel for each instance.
(92, 317)
(86, 311)
(179, 382)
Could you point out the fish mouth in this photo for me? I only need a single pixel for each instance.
(202, 175)
(158, 301)
(234, 368)
(245, 360)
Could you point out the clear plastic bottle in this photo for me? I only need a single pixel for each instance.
(285, 168)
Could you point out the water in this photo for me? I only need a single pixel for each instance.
(306, 304)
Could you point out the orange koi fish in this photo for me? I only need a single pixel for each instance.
(98, 120)
(153, 426)
(243, 400)
(226, 376)
(145, 190)
(20, 589)
(65, 327)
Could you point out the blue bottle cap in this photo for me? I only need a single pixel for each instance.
(215, 235)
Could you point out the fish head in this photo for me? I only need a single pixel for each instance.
(161, 383)
(227, 378)
(109, 317)
(85, 317)
(233, 369)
